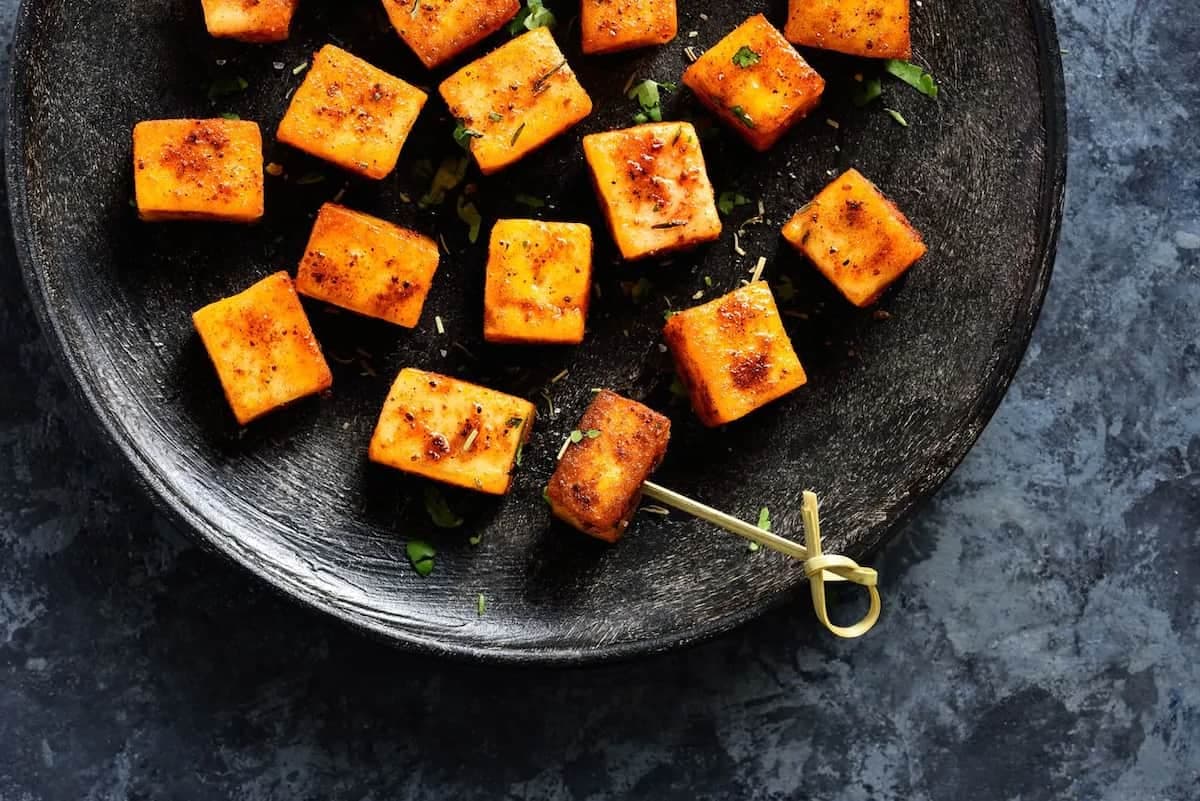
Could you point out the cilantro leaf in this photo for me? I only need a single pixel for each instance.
(745, 57)
(576, 436)
(897, 116)
(463, 135)
(532, 15)
(868, 91)
(728, 201)
(471, 216)
(913, 75)
(648, 94)
(420, 554)
(764, 519)
(743, 117)
(449, 175)
(439, 511)
(592, 433)
(224, 87)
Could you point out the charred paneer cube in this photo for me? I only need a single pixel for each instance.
(367, 265)
(653, 188)
(438, 30)
(733, 355)
(539, 281)
(756, 82)
(515, 99)
(869, 28)
(198, 170)
(612, 25)
(856, 237)
(249, 20)
(263, 347)
(598, 482)
(451, 431)
(351, 114)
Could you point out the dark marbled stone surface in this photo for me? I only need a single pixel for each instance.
(1040, 633)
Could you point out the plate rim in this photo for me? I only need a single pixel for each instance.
(150, 480)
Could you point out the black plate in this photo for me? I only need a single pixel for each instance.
(892, 404)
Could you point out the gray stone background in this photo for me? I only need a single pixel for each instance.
(1039, 639)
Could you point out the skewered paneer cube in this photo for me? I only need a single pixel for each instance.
(198, 170)
(598, 482)
(612, 25)
(756, 82)
(515, 99)
(438, 30)
(539, 280)
(869, 28)
(367, 265)
(351, 113)
(263, 347)
(249, 20)
(451, 431)
(653, 188)
(733, 355)
(856, 237)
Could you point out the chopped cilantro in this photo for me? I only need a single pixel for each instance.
(449, 175)
(708, 280)
(520, 453)
(745, 57)
(229, 115)
(475, 539)
(576, 436)
(470, 215)
(546, 493)
(743, 117)
(752, 547)
(592, 433)
(481, 604)
(868, 91)
(463, 135)
(897, 116)
(310, 178)
(516, 134)
(728, 201)
(494, 117)
(913, 75)
(439, 511)
(764, 519)
(648, 94)
(224, 87)
(420, 554)
(669, 313)
(532, 201)
(533, 15)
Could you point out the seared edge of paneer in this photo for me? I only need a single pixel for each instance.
(255, 21)
(867, 28)
(438, 30)
(610, 26)
(597, 484)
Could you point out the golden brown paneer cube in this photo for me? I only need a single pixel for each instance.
(756, 82)
(263, 347)
(198, 170)
(612, 25)
(515, 99)
(653, 188)
(733, 355)
(438, 30)
(351, 113)
(539, 281)
(249, 20)
(367, 265)
(869, 28)
(451, 431)
(598, 482)
(856, 237)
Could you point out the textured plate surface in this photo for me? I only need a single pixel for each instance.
(892, 405)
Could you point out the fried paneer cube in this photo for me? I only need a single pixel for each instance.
(539, 281)
(653, 188)
(249, 20)
(869, 28)
(612, 25)
(198, 170)
(756, 82)
(438, 30)
(856, 237)
(451, 431)
(367, 265)
(263, 347)
(598, 482)
(515, 99)
(733, 355)
(351, 113)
